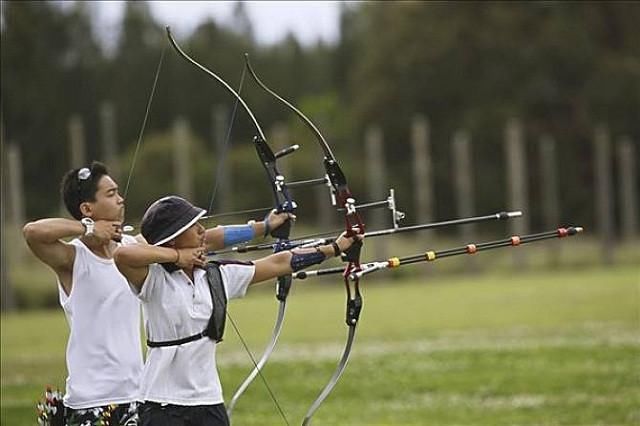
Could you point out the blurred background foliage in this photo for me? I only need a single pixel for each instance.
(560, 67)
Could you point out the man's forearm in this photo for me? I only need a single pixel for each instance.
(139, 255)
(52, 229)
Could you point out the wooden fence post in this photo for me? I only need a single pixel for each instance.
(628, 185)
(422, 170)
(7, 297)
(517, 189)
(222, 198)
(603, 192)
(549, 190)
(464, 190)
(109, 141)
(376, 182)
(77, 147)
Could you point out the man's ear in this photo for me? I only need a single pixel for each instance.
(86, 209)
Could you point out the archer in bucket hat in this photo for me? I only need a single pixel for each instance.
(167, 218)
(184, 301)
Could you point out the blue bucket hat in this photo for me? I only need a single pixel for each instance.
(167, 218)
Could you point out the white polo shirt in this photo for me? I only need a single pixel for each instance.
(175, 308)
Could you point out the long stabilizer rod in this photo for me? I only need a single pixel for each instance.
(305, 241)
(432, 255)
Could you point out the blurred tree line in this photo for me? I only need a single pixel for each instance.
(561, 67)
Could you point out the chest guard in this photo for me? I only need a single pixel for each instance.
(216, 324)
(215, 327)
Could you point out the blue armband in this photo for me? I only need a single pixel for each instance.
(234, 234)
(301, 261)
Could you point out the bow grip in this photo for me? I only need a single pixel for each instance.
(282, 231)
(354, 307)
(352, 254)
(283, 286)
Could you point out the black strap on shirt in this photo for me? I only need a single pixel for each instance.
(177, 341)
(215, 327)
(216, 324)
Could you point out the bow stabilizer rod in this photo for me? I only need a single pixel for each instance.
(307, 241)
(431, 255)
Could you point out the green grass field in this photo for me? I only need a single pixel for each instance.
(552, 348)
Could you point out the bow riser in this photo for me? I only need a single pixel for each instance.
(283, 201)
(354, 225)
(353, 221)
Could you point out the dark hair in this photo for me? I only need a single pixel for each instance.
(80, 185)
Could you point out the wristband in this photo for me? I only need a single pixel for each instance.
(178, 256)
(336, 249)
(234, 234)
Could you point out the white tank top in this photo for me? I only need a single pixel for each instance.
(104, 356)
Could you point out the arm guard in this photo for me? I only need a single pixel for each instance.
(234, 234)
(304, 260)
